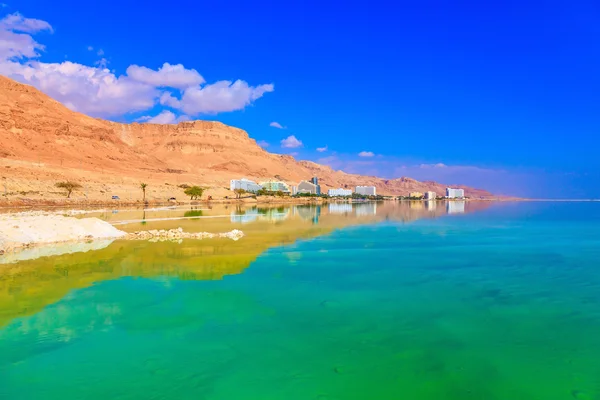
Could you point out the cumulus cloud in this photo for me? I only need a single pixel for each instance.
(291, 142)
(96, 91)
(90, 90)
(221, 96)
(276, 125)
(262, 144)
(165, 117)
(322, 149)
(366, 154)
(175, 76)
(15, 45)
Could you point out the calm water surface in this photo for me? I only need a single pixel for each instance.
(379, 301)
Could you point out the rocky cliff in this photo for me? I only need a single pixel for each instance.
(42, 141)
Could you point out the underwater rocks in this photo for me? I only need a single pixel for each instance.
(179, 234)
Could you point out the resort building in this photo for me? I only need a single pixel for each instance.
(275, 186)
(315, 181)
(246, 184)
(455, 193)
(415, 195)
(366, 190)
(308, 187)
(430, 195)
(339, 192)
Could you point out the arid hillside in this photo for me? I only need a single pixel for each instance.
(43, 142)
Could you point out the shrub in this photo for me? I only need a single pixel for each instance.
(69, 186)
(194, 192)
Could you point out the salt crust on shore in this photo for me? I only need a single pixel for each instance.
(19, 231)
(34, 236)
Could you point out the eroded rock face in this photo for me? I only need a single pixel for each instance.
(179, 234)
(43, 142)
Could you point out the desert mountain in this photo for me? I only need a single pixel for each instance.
(42, 142)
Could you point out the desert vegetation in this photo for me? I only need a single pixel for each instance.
(195, 192)
(69, 186)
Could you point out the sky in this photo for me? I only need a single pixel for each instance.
(504, 97)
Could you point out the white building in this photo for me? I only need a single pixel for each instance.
(246, 184)
(366, 190)
(339, 192)
(455, 193)
(430, 195)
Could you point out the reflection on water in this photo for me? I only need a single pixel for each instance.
(27, 286)
(455, 207)
(498, 305)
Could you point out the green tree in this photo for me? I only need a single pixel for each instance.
(239, 192)
(69, 186)
(194, 192)
(143, 186)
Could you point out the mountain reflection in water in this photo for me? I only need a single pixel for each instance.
(28, 286)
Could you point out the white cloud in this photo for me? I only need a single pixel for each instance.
(291, 142)
(100, 52)
(165, 117)
(97, 91)
(175, 76)
(221, 96)
(90, 90)
(262, 144)
(17, 23)
(276, 125)
(102, 63)
(366, 154)
(167, 99)
(322, 149)
(14, 45)
(438, 165)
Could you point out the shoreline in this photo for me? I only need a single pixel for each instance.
(34, 205)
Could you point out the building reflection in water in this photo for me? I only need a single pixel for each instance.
(308, 212)
(245, 216)
(430, 205)
(455, 207)
(365, 209)
(340, 208)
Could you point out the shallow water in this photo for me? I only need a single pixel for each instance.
(382, 301)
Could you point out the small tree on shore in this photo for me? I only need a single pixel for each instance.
(69, 186)
(239, 192)
(194, 192)
(143, 186)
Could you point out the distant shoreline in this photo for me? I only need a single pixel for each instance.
(27, 204)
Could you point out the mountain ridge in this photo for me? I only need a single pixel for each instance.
(36, 129)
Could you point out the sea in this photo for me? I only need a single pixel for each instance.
(390, 300)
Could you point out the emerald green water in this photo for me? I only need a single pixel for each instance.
(502, 303)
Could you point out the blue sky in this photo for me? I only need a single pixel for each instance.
(503, 97)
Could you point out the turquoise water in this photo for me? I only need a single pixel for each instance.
(502, 303)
